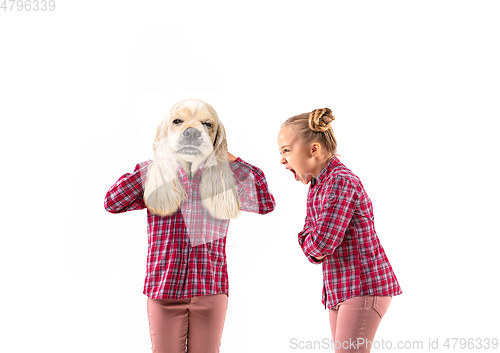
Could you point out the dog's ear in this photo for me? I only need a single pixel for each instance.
(163, 191)
(220, 144)
(218, 188)
(161, 133)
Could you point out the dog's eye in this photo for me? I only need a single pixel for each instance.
(208, 124)
(177, 121)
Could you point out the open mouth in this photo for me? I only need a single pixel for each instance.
(295, 175)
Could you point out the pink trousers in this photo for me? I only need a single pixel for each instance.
(187, 325)
(354, 321)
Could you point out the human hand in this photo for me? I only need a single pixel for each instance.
(319, 258)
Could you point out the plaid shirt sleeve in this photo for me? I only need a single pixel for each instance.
(323, 235)
(252, 187)
(126, 194)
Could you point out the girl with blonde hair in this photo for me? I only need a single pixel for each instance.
(339, 232)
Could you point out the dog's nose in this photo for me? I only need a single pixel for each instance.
(191, 134)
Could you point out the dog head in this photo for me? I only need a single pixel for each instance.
(191, 130)
(191, 134)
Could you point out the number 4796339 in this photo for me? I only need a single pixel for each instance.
(28, 5)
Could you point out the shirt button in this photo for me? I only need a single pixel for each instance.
(183, 261)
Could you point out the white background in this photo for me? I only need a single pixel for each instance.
(414, 86)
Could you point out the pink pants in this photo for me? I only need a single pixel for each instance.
(195, 323)
(354, 322)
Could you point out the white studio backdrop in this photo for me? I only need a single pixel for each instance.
(414, 88)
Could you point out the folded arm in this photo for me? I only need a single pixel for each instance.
(322, 236)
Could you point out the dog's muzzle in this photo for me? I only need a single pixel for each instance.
(190, 141)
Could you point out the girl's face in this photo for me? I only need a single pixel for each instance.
(296, 156)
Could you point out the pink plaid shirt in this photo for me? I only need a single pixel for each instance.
(339, 224)
(181, 263)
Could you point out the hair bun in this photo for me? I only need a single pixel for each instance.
(320, 119)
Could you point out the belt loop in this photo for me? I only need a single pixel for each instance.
(369, 301)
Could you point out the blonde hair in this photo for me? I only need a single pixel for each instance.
(315, 127)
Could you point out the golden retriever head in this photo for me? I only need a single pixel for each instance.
(190, 135)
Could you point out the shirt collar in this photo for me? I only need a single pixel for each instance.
(326, 170)
(196, 176)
